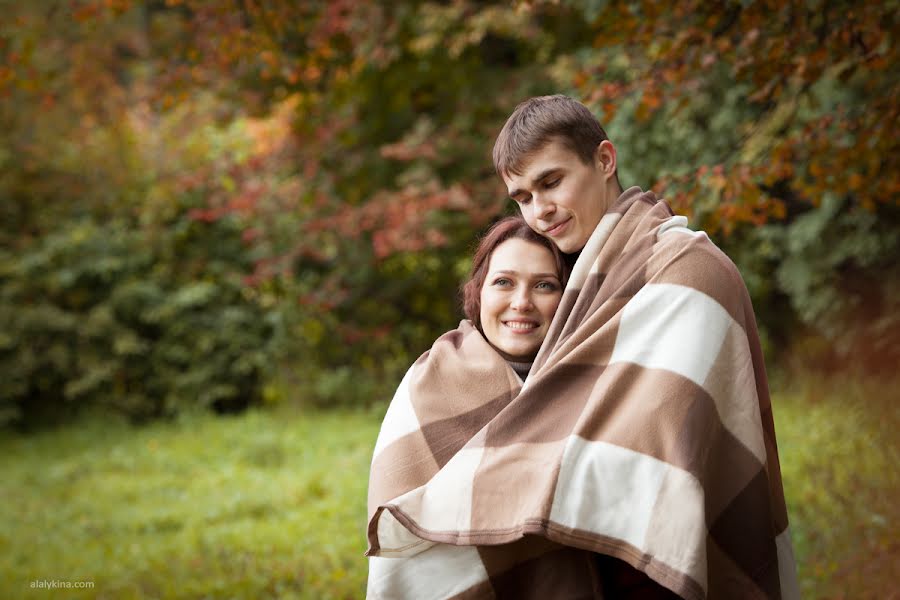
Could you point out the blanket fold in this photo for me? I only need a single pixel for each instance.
(644, 432)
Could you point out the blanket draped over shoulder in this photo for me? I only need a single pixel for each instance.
(644, 432)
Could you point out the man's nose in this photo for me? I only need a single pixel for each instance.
(543, 207)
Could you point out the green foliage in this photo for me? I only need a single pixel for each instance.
(838, 266)
(343, 347)
(345, 147)
(146, 323)
(743, 117)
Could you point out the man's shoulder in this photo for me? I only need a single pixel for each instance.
(689, 258)
(692, 249)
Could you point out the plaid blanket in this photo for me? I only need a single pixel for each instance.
(644, 432)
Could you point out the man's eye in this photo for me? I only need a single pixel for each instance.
(553, 183)
(523, 201)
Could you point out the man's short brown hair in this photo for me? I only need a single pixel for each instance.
(540, 120)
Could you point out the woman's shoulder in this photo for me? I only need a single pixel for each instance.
(453, 341)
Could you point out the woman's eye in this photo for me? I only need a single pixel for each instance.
(524, 201)
(547, 285)
(502, 281)
(553, 183)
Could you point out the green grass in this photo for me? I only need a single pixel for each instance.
(272, 505)
(840, 461)
(257, 506)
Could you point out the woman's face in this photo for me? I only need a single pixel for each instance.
(519, 298)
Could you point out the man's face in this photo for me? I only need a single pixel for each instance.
(561, 197)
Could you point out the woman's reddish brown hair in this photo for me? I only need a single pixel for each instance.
(507, 228)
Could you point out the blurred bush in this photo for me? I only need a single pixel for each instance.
(839, 267)
(825, 287)
(149, 324)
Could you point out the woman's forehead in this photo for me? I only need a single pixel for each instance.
(522, 256)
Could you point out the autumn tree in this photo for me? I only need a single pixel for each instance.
(344, 147)
(771, 124)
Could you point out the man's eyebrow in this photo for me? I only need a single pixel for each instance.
(535, 180)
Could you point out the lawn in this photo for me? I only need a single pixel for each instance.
(257, 506)
(840, 450)
(272, 504)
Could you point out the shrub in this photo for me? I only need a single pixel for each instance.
(148, 322)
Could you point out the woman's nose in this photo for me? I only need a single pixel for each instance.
(522, 300)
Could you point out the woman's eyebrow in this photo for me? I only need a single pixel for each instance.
(511, 272)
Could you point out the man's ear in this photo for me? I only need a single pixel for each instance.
(605, 158)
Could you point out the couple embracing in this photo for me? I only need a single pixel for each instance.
(600, 424)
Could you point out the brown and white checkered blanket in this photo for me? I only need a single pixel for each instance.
(644, 431)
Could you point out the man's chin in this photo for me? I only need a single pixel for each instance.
(566, 245)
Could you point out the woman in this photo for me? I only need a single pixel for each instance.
(513, 291)
(511, 296)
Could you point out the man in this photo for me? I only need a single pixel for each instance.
(560, 169)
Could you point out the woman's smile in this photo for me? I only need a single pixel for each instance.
(521, 326)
